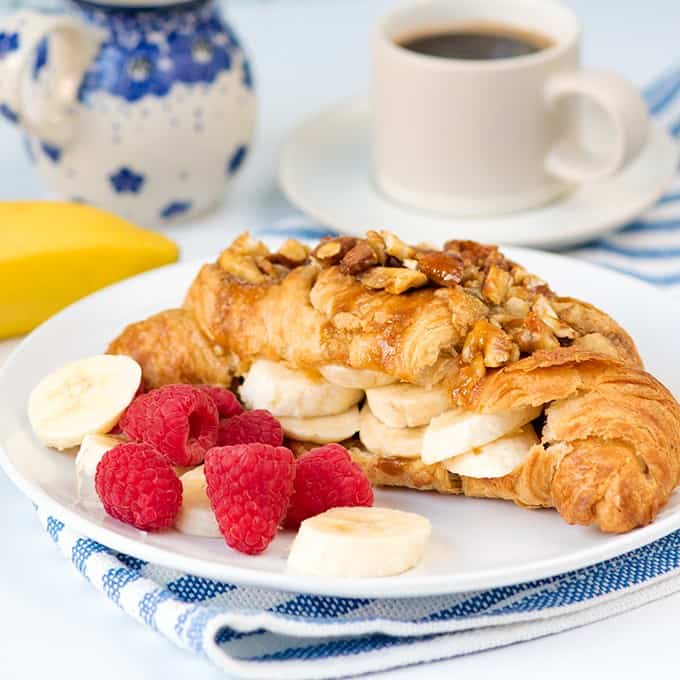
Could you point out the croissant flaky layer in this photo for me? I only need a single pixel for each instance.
(465, 317)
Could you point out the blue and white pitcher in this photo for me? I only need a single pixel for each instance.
(146, 111)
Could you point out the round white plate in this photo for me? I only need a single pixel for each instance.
(475, 543)
(325, 171)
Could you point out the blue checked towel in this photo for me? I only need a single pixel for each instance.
(256, 633)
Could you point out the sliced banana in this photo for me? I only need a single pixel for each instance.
(285, 392)
(196, 517)
(359, 542)
(91, 451)
(405, 405)
(391, 442)
(324, 429)
(496, 459)
(456, 432)
(354, 377)
(84, 397)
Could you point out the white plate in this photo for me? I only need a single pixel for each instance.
(476, 543)
(325, 171)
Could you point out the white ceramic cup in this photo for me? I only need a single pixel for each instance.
(475, 137)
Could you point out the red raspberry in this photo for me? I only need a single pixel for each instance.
(249, 487)
(178, 420)
(225, 400)
(138, 486)
(250, 427)
(326, 478)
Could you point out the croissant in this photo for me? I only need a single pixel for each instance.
(464, 321)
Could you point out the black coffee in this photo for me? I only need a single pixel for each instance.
(480, 41)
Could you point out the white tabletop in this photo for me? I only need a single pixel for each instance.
(308, 53)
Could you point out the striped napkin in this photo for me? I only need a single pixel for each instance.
(255, 633)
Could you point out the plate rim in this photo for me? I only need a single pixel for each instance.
(418, 586)
(290, 183)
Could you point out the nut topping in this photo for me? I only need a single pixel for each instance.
(291, 254)
(360, 258)
(392, 279)
(242, 267)
(492, 343)
(531, 334)
(396, 247)
(444, 269)
(331, 250)
(496, 284)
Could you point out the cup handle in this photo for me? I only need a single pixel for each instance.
(73, 46)
(627, 123)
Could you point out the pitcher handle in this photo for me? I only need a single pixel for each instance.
(73, 46)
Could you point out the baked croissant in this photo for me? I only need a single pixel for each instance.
(472, 339)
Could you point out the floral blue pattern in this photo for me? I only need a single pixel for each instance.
(52, 152)
(237, 158)
(7, 113)
(9, 42)
(40, 58)
(175, 208)
(147, 51)
(126, 180)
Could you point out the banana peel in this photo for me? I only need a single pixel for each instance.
(54, 253)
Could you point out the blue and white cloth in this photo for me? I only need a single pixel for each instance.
(255, 633)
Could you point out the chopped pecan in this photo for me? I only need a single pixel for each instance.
(392, 279)
(245, 244)
(291, 254)
(477, 254)
(496, 284)
(548, 316)
(492, 343)
(360, 258)
(531, 334)
(241, 266)
(396, 247)
(375, 240)
(444, 269)
(332, 250)
(516, 306)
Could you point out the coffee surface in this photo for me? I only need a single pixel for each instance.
(481, 41)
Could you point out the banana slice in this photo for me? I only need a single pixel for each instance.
(324, 429)
(84, 397)
(458, 431)
(359, 542)
(496, 459)
(392, 442)
(405, 405)
(285, 392)
(354, 377)
(91, 451)
(196, 517)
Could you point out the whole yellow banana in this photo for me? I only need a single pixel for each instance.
(53, 253)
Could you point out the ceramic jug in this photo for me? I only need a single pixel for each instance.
(146, 111)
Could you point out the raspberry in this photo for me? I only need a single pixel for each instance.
(250, 427)
(249, 486)
(138, 486)
(227, 403)
(178, 420)
(326, 478)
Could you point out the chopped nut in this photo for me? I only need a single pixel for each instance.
(376, 242)
(477, 254)
(444, 269)
(332, 250)
(392, 279)
(531, 334)
(264, 265)
(396, 247)
(516, 307)
(245, 244)
(493, 344)
(410, 264)
(347, 322)
(468, 376)
(241, 266)
(360, 258)
(548, 316)
(292, 253)
(496, 284)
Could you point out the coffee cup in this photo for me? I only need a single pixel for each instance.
(480, 107)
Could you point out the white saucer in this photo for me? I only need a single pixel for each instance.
(325, 171)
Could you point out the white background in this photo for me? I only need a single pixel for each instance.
(307, 54)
